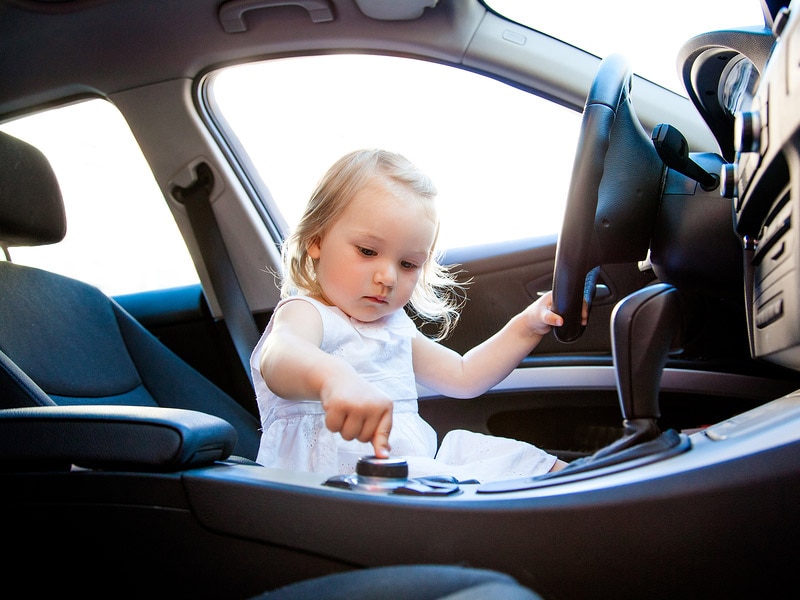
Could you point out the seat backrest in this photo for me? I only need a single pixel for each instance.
(68, 339)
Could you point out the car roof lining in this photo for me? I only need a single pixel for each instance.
(166, 47)
(476, 39)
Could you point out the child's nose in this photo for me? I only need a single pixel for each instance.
(386, 275)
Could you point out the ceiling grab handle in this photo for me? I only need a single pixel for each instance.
(231, 14)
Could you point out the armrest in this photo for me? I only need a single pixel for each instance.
(138, 438)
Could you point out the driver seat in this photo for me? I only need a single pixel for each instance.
(64, 342)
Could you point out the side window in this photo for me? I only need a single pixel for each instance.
(501, 158)
(120, 236)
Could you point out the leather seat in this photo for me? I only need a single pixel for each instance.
(72, 343)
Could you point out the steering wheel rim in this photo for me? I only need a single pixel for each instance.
(610, 88)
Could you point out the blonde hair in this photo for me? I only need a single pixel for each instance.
(438, 297)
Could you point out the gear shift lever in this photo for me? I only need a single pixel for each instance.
(644, 328)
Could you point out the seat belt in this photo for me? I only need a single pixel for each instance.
(196, 197)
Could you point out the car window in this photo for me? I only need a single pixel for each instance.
(120, 236)
(500, 157)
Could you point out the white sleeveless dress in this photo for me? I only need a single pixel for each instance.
(294, 435)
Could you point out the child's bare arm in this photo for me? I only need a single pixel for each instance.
(295, 368)
(485, 365)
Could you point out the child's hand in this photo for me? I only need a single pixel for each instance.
(542, 319)
(358, 410)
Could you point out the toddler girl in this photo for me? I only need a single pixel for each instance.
(335, 372)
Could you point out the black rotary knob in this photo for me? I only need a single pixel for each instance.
(382, 468)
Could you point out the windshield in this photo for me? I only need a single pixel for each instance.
(649, 37)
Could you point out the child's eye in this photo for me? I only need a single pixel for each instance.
(409, 266)
(366, 251)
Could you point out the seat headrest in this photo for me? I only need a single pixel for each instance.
(31, 207)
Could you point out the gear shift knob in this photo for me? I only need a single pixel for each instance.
(644, 328)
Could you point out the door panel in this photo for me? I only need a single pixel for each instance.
(506, 278)
(564, 397)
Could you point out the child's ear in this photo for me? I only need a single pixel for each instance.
(313, 249)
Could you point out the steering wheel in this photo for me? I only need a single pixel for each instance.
(571, 287)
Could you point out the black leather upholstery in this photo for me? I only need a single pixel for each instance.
(68, 338)
(134, 438)
(33, 211)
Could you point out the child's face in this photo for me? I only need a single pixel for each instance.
(371, 258)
